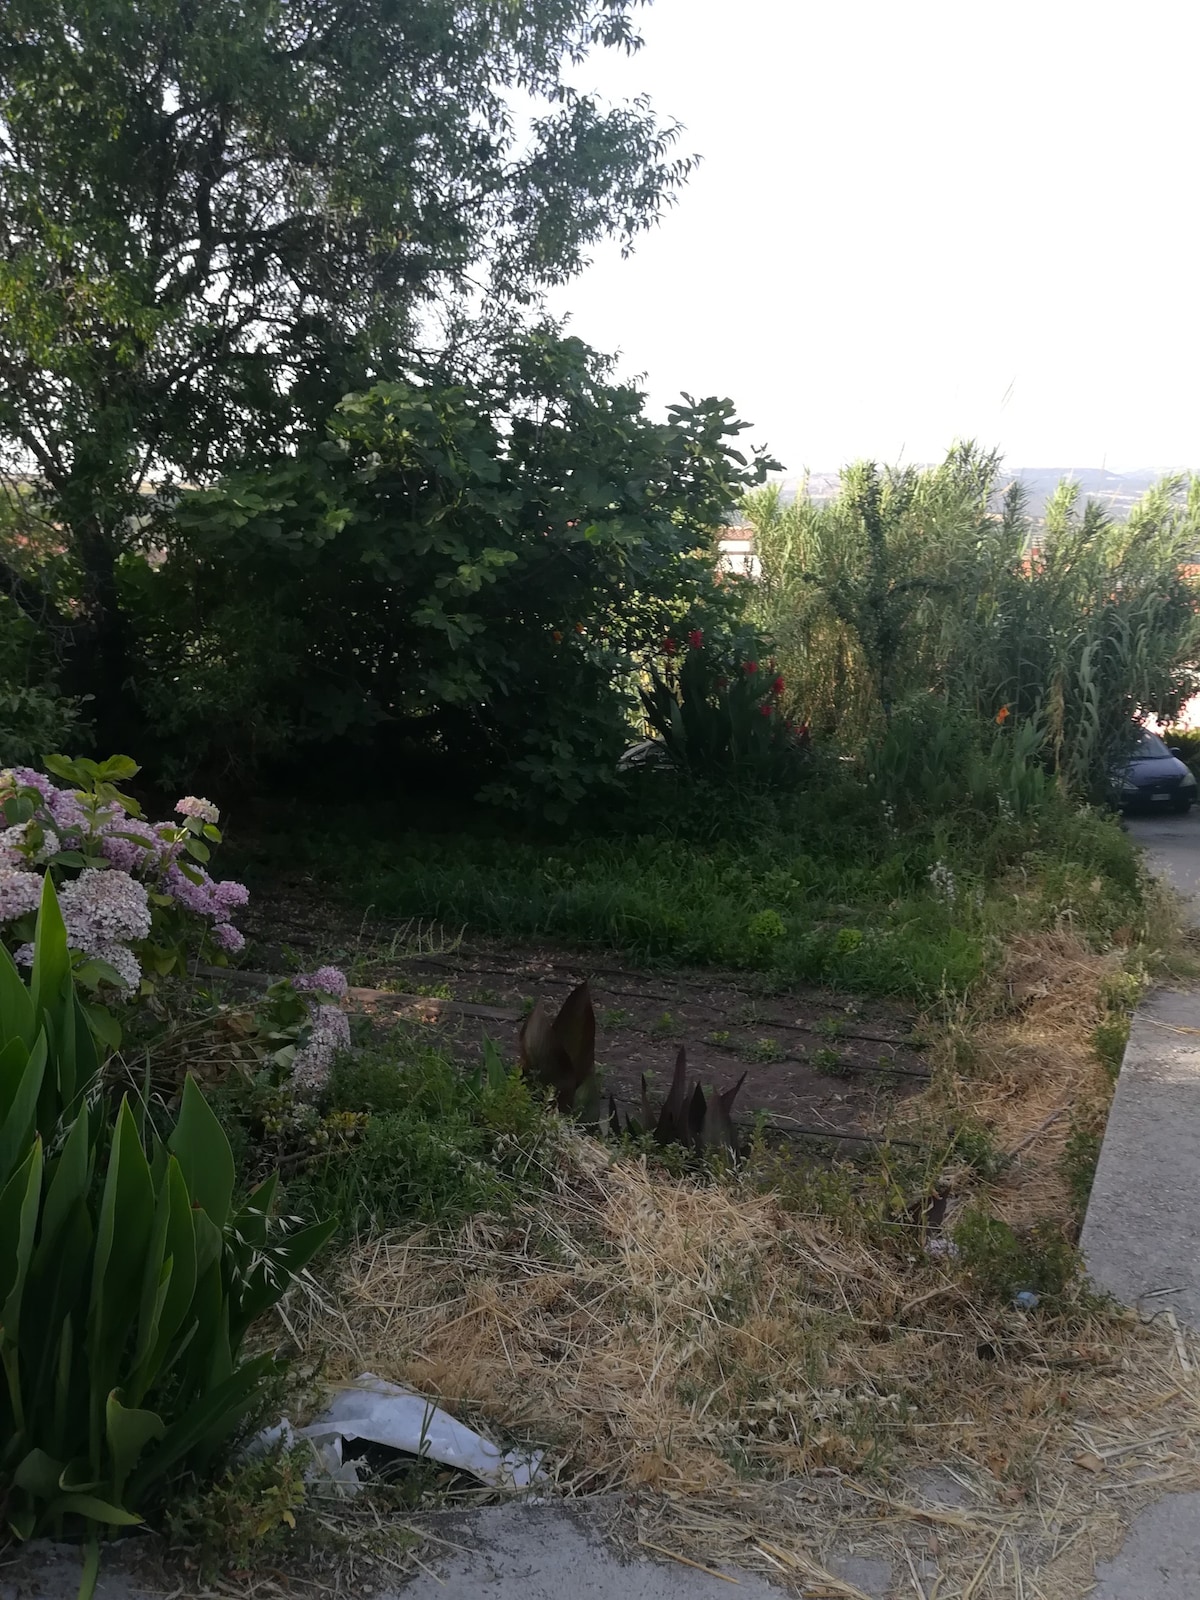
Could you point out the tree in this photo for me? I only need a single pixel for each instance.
(218, 216)
(473, 573)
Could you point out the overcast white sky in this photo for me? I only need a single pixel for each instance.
(918, 220)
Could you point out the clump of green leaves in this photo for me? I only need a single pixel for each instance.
(429, 1143)
(247, 1516)
(1109, 1039)
(1002, 1262)
(830, 1063)
(128, 1275)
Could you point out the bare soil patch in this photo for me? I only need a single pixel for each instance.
(817, 1062)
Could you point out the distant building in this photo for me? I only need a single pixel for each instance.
(736, 547)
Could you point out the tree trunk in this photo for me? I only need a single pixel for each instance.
(102, 661)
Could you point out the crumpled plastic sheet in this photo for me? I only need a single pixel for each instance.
(385, 1413)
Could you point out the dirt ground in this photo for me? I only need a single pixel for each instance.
(817, 1063)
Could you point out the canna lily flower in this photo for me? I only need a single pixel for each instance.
(669, 646)
(696, 638)
(1003, 715)
(749, 668)
(766, 708)
(777, 687)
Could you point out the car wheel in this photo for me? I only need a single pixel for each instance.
(1182, 804)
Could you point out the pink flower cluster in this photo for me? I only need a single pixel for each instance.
(329, 1030)
(327, 980)
(106, 906)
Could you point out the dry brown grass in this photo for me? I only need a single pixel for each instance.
(766, 1386)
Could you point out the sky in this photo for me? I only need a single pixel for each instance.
(918, 221)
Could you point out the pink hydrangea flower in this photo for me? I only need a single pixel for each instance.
(101, 908)
(125, 853)
(328, 980)
(228, 937)
(312, 1063)
(192, 806)
(20, 893)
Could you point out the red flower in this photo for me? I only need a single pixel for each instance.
(669, 647)
(777, 687)
(765, 708)
(749, 667)
(696, 638)
(557, 636)
(1003, 715)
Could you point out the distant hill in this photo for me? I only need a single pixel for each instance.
(1117, 491)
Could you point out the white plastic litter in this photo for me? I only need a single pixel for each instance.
(385, 1413)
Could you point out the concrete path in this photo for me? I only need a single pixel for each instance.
(1141, 1238)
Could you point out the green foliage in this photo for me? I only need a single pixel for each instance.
(1080, 1156)
(34, 716)
(219, 219)
(128, 1276)
(717, 712)
(245, 1517)
(434, 1144)
(1002, 1262)
(1109, 1041)
(472, 573)
(926, 588)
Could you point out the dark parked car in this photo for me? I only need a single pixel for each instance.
(1155, 779)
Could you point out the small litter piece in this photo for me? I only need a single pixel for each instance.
(1025, 1300)
(944, 1248)
(379, 1412)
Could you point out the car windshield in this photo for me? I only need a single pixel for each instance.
(1149, 748)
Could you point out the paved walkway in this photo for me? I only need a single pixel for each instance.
(1141, 1239)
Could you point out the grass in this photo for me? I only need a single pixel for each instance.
(695, 1337)
(815, 895)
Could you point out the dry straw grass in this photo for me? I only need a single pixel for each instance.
(767, 1386)
(770, 1388)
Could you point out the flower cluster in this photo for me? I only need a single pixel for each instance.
(329, 1030)
(942, 882)
(325, 980)
(19, 893)
(120, 878)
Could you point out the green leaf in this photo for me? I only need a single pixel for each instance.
(128, 1430)
(51, 962)
(94, 1510)
(63, 767)
(204, 1155)
(122, 1238)
(38, 1474)
(204, 1425)
(117, 769)
(179, 1253)
(104, 1025)
(18, 1220)
(68, 1183)
(21, 1074)
(16, 1004)
(272, 1276)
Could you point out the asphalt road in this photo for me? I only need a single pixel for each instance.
(1173, 847)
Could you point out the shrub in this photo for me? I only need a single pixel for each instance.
(128, 1277)
(135, 895)
(718, 712)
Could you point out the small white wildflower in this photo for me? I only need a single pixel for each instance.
(941, 881)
